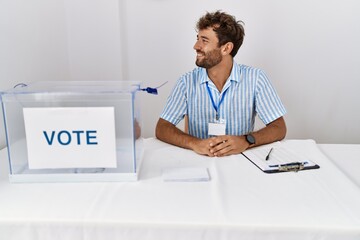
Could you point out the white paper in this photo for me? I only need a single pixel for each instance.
(186, 174)
(73, 137)
(279, 155)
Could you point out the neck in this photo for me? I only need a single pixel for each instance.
(221, 72)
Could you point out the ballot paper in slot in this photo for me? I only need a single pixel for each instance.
(277, 157)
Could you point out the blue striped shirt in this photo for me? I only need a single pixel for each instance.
(247, 92)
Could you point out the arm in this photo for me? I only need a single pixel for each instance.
(227, 145)
(169, 133)
(266, 100)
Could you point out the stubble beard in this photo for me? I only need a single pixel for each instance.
(210, 59)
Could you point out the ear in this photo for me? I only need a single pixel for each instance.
(227, 48)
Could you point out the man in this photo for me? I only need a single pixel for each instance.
(221, 98)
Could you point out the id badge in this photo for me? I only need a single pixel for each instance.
(217, 128)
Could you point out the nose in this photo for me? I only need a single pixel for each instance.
(197, 46)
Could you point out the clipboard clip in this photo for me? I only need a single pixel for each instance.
(291, 167)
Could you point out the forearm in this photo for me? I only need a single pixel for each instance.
(169, 133)
(274, 131)
(226, 145)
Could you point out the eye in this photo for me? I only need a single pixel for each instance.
(204, 40)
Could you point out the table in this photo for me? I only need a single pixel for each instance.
(346, 157)
(240, 201)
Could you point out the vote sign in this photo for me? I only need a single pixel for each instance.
(73, 137)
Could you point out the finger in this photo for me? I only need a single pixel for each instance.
(212, 141)
(222, 145)
(217, 141)
(223, 152)
(209, 152)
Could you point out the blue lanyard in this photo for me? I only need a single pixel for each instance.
(213, 102)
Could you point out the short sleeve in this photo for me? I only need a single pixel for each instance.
(176, 104)
(267, 102)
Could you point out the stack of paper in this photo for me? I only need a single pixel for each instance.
(188, 174)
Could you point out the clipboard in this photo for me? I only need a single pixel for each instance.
(277, 157)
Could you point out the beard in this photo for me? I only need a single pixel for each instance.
(210, 59)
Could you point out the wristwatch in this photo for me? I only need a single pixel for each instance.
(250, 139)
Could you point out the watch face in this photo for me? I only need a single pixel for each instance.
(250, 138)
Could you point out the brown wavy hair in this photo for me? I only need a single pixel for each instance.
(226, 28)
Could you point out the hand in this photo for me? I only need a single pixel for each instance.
(227, 145)
(203, 146)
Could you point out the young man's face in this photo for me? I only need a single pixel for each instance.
(208, 54)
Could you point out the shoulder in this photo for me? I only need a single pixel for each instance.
(193, 77)
(248, 69)
(246, 74)
(195, 73)
(252, 74)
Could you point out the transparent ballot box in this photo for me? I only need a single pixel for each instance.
(70, 131)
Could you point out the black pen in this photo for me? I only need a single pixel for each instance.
(268, 156)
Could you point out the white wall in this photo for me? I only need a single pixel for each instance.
(59, 40)
(32, 45)
(309, 49)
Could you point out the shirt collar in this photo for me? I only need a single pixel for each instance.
(234, 72)
(235, 69)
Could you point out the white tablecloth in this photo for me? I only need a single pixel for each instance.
(346, 157)
(240, 202)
